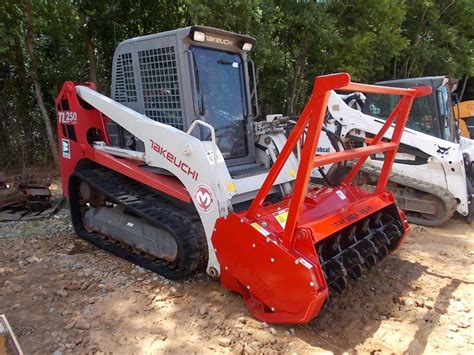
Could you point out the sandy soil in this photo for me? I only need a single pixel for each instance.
(62, 295)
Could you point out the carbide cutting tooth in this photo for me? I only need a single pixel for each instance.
(381, 241)
(383, 252)
(352, 234)
(346, 241)
(352, 262)
(339, 284)
(337, 243)
(334, 269)
(370, 261)
(369, 245)
(328, 248)
(382, 236)
(365, 226)
(393, 231)
(355, 272)
(352, 257)
(377, 220)
(320, 254)
(362, 250)
(366, 249)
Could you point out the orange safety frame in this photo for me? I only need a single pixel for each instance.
(312, 119)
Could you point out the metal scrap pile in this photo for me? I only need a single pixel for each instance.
(23, 194)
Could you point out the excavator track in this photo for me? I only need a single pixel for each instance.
(139, 200)
(442, 195)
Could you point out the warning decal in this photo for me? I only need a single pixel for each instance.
(281, 217)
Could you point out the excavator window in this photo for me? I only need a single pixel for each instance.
(448, 127)
(420, 119)
(222, 102)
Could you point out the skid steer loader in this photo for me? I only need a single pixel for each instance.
(433, 175)
(174, 175)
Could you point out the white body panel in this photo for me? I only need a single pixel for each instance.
(445, 166)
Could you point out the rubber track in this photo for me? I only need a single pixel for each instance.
(446, 197)
(183, 224)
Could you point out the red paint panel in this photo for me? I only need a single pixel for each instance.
(81, 151)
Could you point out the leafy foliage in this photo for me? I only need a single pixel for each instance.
(297, 40)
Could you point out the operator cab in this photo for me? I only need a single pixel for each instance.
(431, 114)
(188, 74)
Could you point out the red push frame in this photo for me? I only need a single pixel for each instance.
(312, 119)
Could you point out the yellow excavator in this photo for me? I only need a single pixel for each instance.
(464, 114)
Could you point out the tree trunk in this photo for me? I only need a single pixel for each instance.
(395, 69)
(297, 75)
(20, 61)
(34, 76)
(463, 88)
(89, 47)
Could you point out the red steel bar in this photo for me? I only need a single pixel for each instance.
(353, 153)
(305, 167)
(313, 117)
(391, 118)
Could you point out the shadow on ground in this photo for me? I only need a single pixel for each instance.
(132, 311)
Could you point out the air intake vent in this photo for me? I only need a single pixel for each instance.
(125, 90)
(160, 84)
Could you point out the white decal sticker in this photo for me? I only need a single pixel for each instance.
(129, 224)
(204, 198)
(66, 148)
(68, 117)
(305, 263)
(235, 65)
(341, 195)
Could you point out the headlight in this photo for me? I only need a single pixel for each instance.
(247, 46)
(199, 36)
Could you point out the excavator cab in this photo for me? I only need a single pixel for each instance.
(432, 114)
(193, 73)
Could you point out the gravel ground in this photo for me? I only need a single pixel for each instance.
(62, 295)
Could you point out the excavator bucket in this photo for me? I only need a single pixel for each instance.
(286, 258)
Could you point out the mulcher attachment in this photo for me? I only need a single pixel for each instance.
(357, 247)
(283, 258)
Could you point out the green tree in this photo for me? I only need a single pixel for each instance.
(441, 39)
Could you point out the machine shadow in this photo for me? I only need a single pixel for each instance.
(420, 338)
(355, 315)
(345, 322)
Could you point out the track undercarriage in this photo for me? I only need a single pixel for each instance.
(424, 203)
(101, 192)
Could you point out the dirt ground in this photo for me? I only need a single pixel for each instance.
(62, 295)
